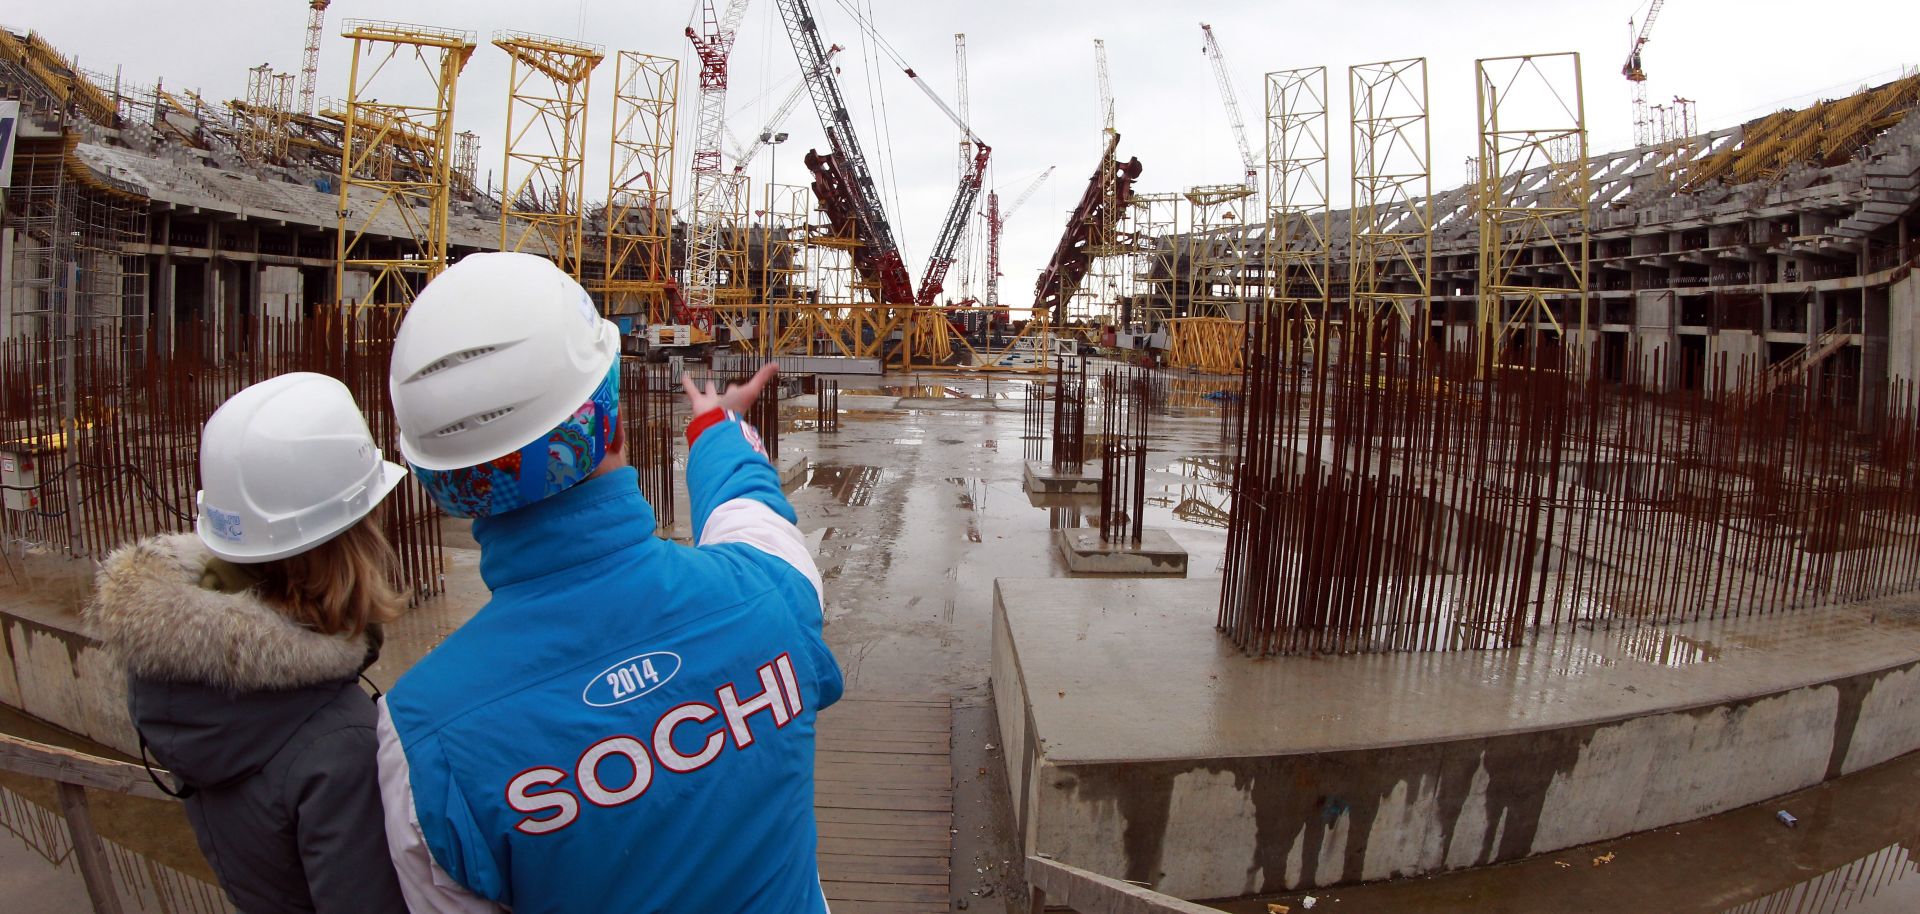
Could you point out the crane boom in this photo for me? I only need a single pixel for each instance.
(744, 157)
(842, 181)
(1106, 86)
(1027, 194)
(1232, 100)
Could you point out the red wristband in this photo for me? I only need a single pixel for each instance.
(705, 421)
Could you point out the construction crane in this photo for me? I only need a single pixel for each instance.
(966, 154)
(1636, 73)
(996, 223)
(713, 43)
(1232, 100)
(845, 186)
(973, 173)
(841, 180)
(310, 63)
(744, 157)
(1093, 228)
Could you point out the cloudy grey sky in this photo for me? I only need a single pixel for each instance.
(1034, 96)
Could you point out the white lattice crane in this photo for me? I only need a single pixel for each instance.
(1231, 99)
(964, 251)
(744, 157)
(996, 221)
(1635, 72)
(712, 190)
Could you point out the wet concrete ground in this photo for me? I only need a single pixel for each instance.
(917, 505)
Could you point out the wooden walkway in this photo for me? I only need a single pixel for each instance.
(883, 794)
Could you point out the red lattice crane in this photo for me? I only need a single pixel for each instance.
(996, 222)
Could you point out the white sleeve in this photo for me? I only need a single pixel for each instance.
(427, 888)
(745, 520)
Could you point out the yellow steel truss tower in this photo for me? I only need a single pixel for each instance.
(389, 60)
(1533, 196)
(543, 179)
(1390, 227)
(1299, 242)
(639, 264)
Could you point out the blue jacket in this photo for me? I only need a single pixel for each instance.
(629, 724)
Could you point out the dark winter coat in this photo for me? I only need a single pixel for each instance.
(262, 719)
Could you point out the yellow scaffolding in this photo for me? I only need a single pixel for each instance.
(543, 179)
(417, 201)
(1390, 227)
(639, 215)
(1159, 252)
(783, 265)
(1217, 250)
(1298, 247)
(1520, 302)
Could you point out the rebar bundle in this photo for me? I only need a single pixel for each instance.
(826, 405)
(1127, 395)
(1069, 413)
(647, 395)
(1389, 496)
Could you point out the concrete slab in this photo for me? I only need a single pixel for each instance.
(1042, 478)
(1143, 745)
(1157, 554)
(793, 470)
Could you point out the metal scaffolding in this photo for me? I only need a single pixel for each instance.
(1530, 107)
(543, 177)
(1390, 227)
(1160, 252)
(639, 214)
(783, 267)
(1299, 242)
(385, 58)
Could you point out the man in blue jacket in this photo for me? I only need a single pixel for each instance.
(629, 724)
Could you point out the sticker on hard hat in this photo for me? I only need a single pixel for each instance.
(587, 310)
(223, 524)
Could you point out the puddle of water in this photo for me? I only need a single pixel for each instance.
(852, 486)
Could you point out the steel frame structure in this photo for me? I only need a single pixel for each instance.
(1298, 248)
(1157, 270)
(1217, 253)
(544, 168)
(783, 261)
(728, 204)
(639, 209)
(1530, 108)
(419, 201)
(1390, 226)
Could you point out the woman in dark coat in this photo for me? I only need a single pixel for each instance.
(243, 646)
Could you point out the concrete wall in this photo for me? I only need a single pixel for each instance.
(64, 678)
(1903, 329)
(282, 294)
(1224, 827)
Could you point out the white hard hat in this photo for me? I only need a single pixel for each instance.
(286, 465)
(494, 353)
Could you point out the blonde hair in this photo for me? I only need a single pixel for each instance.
(340, 586)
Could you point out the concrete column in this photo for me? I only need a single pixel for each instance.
(164, 302)
(6, 283)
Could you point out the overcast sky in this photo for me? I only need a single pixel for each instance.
(1034, 95)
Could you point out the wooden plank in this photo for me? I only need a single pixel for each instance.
(24, 756)
(87, 850)
(883, 800)
(886, 891)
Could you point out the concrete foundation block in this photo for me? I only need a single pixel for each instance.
(1086, 553)
(1043, 479)
(793, 470)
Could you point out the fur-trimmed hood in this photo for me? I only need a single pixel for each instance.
(151, 612)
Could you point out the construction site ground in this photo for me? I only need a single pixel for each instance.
(915, 507)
